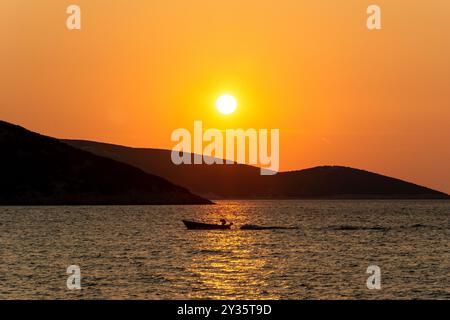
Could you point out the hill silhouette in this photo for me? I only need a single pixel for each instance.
(243, 181)
(39, 170)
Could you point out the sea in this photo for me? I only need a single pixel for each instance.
(319, 249)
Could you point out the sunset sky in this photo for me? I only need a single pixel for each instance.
(339, 93)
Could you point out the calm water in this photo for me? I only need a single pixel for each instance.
(145, 252)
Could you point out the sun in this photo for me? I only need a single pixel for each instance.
(226, 104)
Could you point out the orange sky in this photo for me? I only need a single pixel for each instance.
(340, 94)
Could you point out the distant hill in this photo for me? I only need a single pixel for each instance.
(242, 181)
(39, 170)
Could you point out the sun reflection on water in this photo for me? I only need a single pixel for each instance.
(225, 265)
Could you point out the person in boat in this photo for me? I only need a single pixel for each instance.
(224, 222)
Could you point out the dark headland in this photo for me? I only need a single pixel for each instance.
(39, 170)
(245, 182)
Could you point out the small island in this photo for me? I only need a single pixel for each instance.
(241, 181)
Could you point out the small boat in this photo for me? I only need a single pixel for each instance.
(192, 225)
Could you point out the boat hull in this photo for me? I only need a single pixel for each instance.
(192, 225)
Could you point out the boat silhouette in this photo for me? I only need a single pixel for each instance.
(193, 225)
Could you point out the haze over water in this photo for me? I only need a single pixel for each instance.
(145, 252)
